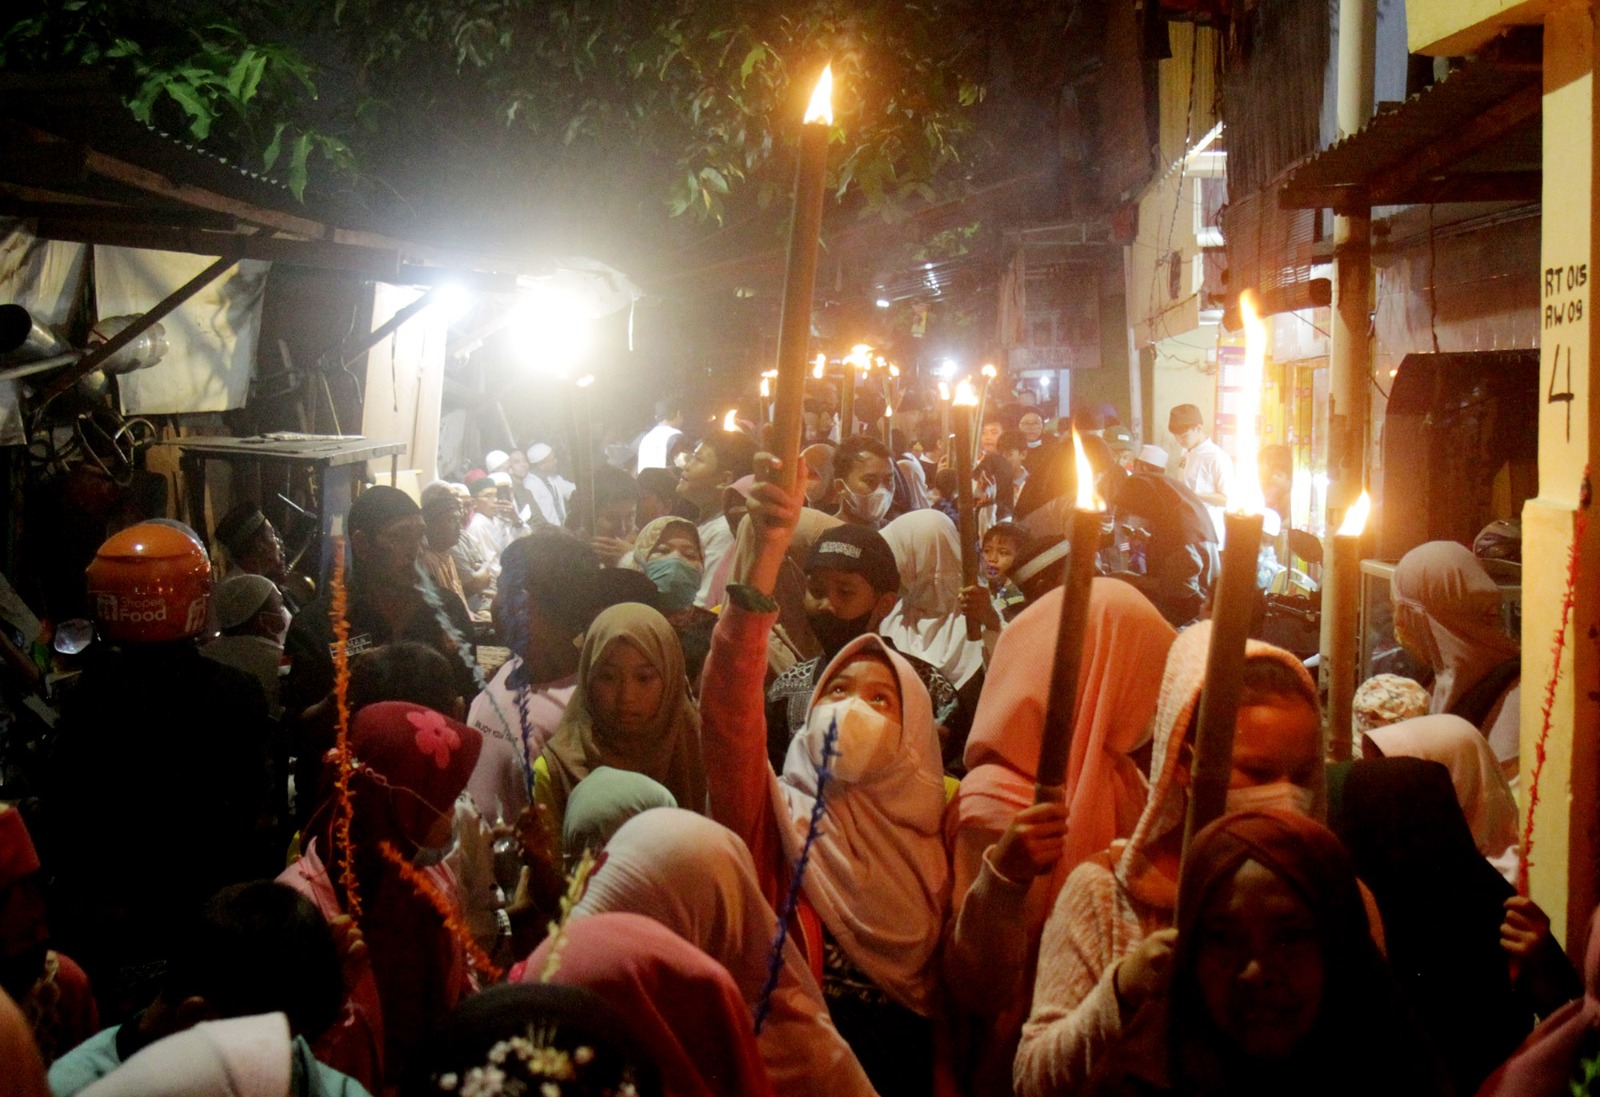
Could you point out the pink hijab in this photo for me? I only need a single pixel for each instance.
(1125, 648)
(684, 1006)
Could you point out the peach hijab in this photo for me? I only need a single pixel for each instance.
(1125, 649)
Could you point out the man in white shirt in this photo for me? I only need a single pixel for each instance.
(1207, 470)
(550, 490)
(657, 441)
(721, 458)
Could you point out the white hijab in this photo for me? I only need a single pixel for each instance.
(696, 878)
(239, 1057)
(927, 622)
(878, 877)
(1481, 787)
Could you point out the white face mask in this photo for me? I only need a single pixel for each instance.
(872, 506)
(1280, 794)
(867, 738)
(281, 631)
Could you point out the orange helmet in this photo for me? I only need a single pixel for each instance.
(150, 584)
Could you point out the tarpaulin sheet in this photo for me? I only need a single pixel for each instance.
(44, 277)
(211, 337)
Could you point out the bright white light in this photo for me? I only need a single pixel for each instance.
(453, 300)
(883, 302)
(947, 369)
(1044, 382)
(552, 329)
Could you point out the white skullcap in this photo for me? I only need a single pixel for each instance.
(240, 597)
(538, 452)
(495, 460)
(1152, 454)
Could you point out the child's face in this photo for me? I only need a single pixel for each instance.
(870, 678)
(1259, 963)
(999, 553)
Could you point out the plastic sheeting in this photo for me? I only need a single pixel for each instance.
(44, 277)
(212, 335)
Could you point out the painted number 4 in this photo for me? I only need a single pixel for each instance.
(1565, 396)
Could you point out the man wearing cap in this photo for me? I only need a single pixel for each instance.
(1207, 470)
(250, 613)
(253, 546)
(385, 602)
(551, 589)
(1151, 460)
(550, 491)
(852, 582)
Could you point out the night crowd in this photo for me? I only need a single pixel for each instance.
(662, 779)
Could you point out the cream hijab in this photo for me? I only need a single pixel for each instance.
(668, 752)
(1449, 608)
(1480, 786)
(696, 878)
(878, 877)
(1181, 683)
(239, 1057)
(927, 621)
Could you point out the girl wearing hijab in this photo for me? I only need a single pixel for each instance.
(1108, 936)
(1275, 984)
(876, 888)
(1452, 925)
(928, 622)
(410, 765)
(1009, 857)
(1481, 789)
(696, 878)
(682, 1004)
(668, 551)
(1447, 614)
(631, 710)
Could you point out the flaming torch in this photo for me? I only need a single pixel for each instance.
(1234, 597)
(989, 374)
(1056, 748)
(944, 414)
(966, 399)
(730, 421)
(794, 330)
(1342, 650)
(858, 358)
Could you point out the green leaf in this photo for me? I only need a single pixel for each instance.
(714, 180)
(200, 115)
(299, 170)
(756, 55)
(274, 147)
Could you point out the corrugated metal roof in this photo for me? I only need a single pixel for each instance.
(1473, 136)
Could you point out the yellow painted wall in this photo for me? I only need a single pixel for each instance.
(1451, 28)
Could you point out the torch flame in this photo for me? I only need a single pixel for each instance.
(1088, 497)
(944, 391)
(821, 108)
(894, 370)
(730, 421)
(860, 356)
(821, 366)
(1355, 519)
(585, 381)
(990, 372)
(1245, 496)
(769, 373)
(888, 411)
(766, 388)
(966, 396)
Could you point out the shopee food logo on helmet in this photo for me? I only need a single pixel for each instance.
(134, 610)
(125, 609)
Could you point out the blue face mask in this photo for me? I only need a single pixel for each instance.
(676, 579)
